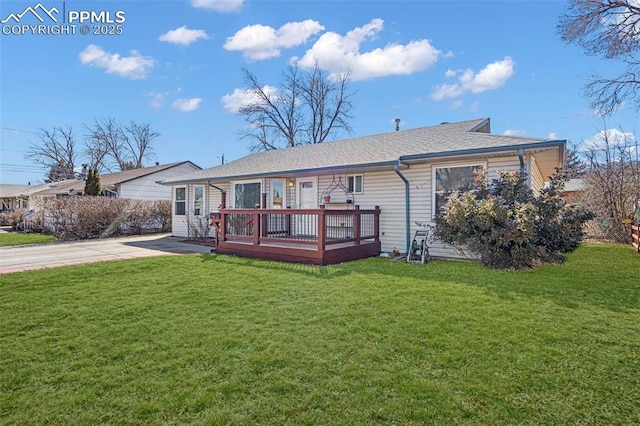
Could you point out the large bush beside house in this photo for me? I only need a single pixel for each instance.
(509, 227)
(95, 217)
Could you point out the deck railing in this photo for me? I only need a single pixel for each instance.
(321, 227)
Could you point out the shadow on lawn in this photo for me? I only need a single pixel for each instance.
(599, 275)
(308, 270)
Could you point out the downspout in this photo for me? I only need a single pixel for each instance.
(223, 194)
(213, 186)
(521, 158)
(407, 209)
(523, 167)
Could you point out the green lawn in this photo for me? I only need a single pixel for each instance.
(20, 238)
(207, 339)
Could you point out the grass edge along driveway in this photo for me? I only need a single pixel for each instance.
(8, 239)
(209, 339)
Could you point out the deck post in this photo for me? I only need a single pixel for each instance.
(256, 228)
(356, 224)
(263, 220)
(321, 229)
(223, 217)
(376, 223)
(288, 224)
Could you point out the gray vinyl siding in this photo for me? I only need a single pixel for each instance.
(380, 188)
(495, 165)
(146, 188)
(212, 200)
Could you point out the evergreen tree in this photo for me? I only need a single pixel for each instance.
(92, 185)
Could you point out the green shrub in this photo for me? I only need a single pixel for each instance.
(510, 228)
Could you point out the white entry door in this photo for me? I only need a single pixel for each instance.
(307, 197)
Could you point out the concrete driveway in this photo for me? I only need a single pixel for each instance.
(39, 256)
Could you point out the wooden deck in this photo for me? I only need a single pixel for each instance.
(309, 236)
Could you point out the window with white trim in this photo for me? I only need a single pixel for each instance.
(246, 195)
(198, 200)
(355, 184)
(180, 201)
(450, 179)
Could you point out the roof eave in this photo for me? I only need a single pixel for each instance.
(297, 172)
(485, 150)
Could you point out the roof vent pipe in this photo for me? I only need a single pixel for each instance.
(397, 124)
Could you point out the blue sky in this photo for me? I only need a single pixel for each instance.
(177, 66)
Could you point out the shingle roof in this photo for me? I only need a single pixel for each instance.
(8, 191)
(121, 177)
(109, 179)
(62, 187)
(364, 151)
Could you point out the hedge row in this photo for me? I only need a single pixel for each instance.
(85, 217)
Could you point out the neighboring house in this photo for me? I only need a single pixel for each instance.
(16, 197)
(409, 174)
(140, 184)
(573, 189)
(10, 197)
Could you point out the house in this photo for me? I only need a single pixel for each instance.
(10, 199)
(381, 189)
(17, 197)
(140, 184)
(573, 190)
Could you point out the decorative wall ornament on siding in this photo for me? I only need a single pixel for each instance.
(337, 193)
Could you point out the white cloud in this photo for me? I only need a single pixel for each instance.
(258, 42)
(338, 53)
(134, 67)
(187, 105)
(614, 137)
(553, 135)
(218, 5)
(513, 132)
(233, 102)
(490, 77)
(183, 36)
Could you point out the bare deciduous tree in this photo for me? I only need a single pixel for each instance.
(612, 184)
(139, 142)
(55, 150)
(108, 146)
(610, 28)
(307, 108)
(126, 146)
(103, 140)
(329, 103)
